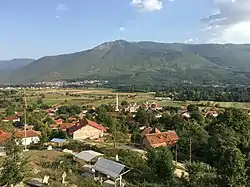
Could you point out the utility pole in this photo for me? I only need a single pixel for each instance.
(176, 153)
(190, 150)
(25, 116)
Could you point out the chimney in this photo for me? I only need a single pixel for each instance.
(83, 122)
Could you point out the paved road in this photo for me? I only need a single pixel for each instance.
(132, 149)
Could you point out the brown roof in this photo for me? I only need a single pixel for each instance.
(162, 139)
(66, 125)
(11, 118)
(29, 133)
(84, 122)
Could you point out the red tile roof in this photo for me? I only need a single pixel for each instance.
(149, 131)
(162, 139)
(29, 133)
(4, 137)
(96, 125)
(84, 122)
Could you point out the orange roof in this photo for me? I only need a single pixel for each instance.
(149, 131)
(29, 133)
(162, 139)
(4, 137)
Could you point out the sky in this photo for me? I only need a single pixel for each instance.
(33, 29)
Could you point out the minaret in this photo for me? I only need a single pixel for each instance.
(25, 116)
(117, 104)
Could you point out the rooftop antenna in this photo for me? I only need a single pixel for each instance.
(25, 115)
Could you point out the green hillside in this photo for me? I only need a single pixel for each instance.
(143, 62)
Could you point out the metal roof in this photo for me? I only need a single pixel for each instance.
(109, 167)
(58, 140)
(88, 155)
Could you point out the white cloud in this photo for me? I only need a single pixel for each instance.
(191, 41)
(62, 7)
(58, 17)
(121, 28)
(229, 24)
(148, 5)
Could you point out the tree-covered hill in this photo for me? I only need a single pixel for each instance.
(143, 62)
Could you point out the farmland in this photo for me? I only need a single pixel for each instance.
(97, 97)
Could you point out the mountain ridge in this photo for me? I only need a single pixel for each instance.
(123, 61)
(14, 63)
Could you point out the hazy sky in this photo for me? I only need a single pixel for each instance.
(36, 28)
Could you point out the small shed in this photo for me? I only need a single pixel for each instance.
(88, 155)
(58, 141)
(111, 169)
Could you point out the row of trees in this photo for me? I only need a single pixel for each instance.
(198, 93)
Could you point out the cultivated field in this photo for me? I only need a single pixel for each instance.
(97, 97)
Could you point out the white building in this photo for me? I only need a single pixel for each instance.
(32, 137)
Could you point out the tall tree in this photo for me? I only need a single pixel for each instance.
(14, 165)
(232, 168)
(200, 175)
(160, 160)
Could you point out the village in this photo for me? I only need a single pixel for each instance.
(98, 126)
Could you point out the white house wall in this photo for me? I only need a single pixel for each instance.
(87, 132)
(30, 140)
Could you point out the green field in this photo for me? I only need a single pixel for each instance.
(97, 97)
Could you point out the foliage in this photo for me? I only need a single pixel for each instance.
(45, 132)
(142, 117)
(40, 101)
(14, 165)
(70, 110)
(200, 175)
(231, 168)
(49, 120)
(58, 134)
(160, 161)
(206, 93)
(192, 108)
(124, 103)
(102, 116)
(6, 126)
(10, 111)
(65, 163)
